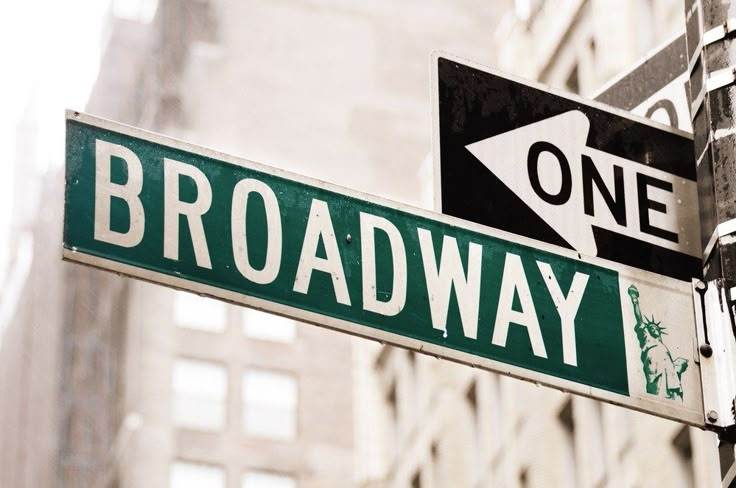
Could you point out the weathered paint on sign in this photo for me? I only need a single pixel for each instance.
(527, 159)
(165, 211)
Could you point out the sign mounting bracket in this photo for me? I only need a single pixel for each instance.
(717, 351)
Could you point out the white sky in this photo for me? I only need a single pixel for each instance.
(50, 52)
(49, 49)
(52, 47)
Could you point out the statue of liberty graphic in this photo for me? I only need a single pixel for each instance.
(661, 370)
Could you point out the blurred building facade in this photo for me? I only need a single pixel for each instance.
(125, 384)
(450, 425)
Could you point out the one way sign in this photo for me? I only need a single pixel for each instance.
(551, 166)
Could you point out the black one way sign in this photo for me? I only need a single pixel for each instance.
(551, 166)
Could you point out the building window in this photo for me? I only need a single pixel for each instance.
(195, 475)
(476, 449)
(416, 481)
(596, 447)
(269, 404)
(567, 449)
(267, 327)
(573, 80)
(195, 312)
(472, 397)
(435, 466)
(393, 409)
(683, 447)
(200, 391)
(524, 478)
(566, 418)
(257, 479)
(496, 414)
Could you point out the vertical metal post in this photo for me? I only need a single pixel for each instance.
(711, 51)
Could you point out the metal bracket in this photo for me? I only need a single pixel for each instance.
(719, 32)
(723, 234)
(722, 132)
(720, 78)
(713, 81)
(714, 319)
(717, 79)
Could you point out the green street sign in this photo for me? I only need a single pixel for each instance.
(165, 211)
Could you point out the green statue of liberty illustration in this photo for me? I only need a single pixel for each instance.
(661, 370)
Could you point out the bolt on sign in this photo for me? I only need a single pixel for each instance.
(169, 212)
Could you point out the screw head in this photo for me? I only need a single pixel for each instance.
(349, 238)
(712, 416)
(706, 350)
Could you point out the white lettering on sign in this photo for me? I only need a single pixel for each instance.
(442, 274)
(573, 187)
(105, 190)
(319, 227)
(451, 274)
(567, 308)
(514, 283)
(174, 207)
(368, 226)
(271, 267)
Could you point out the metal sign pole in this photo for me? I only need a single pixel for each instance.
(710, 48)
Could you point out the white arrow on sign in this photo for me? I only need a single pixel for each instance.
(574, 187)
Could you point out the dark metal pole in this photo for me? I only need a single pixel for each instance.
(711, 52)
